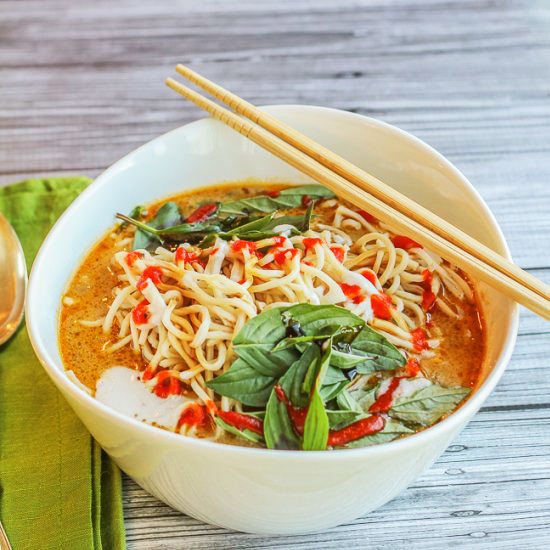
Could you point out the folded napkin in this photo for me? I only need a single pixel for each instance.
(58, 490)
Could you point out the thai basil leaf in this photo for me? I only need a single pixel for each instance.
(310, 378)
(368, 352)
(323, 319)
(292, 381)
(267, 223)
(364, 396)
(287, 198)
(346, 402)
(188, 230)
(136, 213)
(338, 333)
(329, 392)
(246, 434)
(295, 340)
(207, 241)
(321, 374)
(427, 405)
(256, 340)
(341, 419)
(392, 430)
(264, 362)
(177, 233)
(278, 430)
(243, 383)
(266, 328)
(307, 218)
(167, 215)
(316, 427)
(258, 224)
(334, 376)
(230, 222)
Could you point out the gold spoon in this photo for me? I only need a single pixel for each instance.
(13, 281)
(13, 284)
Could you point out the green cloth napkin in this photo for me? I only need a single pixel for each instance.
(58, 489)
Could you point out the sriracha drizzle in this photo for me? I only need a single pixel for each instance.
(140, 313)
(400, 241)
(381, 305)
(357, 430)
(242, 421)
(202, 213)
(193, 415)
(153, 273)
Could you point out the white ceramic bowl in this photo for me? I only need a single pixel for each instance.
(258, 490)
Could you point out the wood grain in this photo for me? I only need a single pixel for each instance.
(81, 84)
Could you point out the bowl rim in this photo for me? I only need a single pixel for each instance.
(455, 420)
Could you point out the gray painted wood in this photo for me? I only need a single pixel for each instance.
(81, 85)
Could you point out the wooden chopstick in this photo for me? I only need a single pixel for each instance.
(367, 181)
(513, 288)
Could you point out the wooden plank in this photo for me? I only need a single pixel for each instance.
(81, 85)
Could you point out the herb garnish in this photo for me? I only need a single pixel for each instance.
(293, 361)
(234, 219)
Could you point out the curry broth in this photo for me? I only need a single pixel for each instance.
(457, 360)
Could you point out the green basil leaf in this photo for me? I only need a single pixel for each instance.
(307, 218)
(392, 430)
(263, 361)
(364, 396)
(330, 391)
(293, 380)
(346, 402)
(243, 383)
(167, 215)
(258, 224)
(321, 319)
(368, 352)
(267, 223)
(246, 434)
(340, 419)
(316, 427)
(427, 405)
(310, 377)
(339, 333)
(136, 213)
(278, 430)
(230, 222)
(294, 340)
(287, 198)
(334, 376)
(186, 230)
(207, 241)
(256, 340)
(266, 328)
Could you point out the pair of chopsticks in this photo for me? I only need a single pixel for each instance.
(369, 193)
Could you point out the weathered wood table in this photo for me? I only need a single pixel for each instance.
(81, 85)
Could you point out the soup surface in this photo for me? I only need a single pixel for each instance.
(198, 328)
